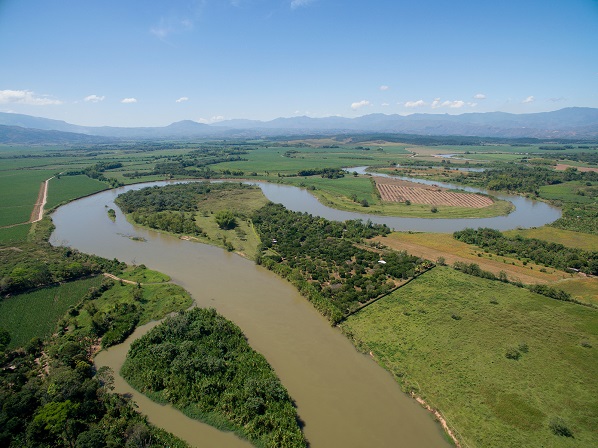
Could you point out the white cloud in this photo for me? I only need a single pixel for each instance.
(472, 104)
(529, 99)
(129, 100)
(418, 103)
(94, 98)
(360, 104)
(383, 88)
(182, 99)
(171, 25)
(385, 104)
(452, 104)
(299, 3)
(558, 99)
(479, 96)
(214, 119)
(26, 97)
(456, 104)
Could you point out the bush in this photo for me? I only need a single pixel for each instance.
(559, 428)
(513, 353)
(226, 220)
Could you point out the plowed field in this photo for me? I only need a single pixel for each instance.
(396, 190)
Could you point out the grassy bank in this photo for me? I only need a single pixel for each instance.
(446, 336)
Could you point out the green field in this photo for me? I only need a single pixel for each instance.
(67, 188)
(568, 238)
(573, 191)
(445, 336)
(14, 234)
(18, 193)
(35, 314)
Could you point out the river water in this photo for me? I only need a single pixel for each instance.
(344, 397)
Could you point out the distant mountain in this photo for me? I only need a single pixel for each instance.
(573, 122)
(16, 135)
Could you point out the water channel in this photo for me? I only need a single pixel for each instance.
(344, 397)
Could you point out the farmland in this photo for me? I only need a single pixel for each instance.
(402, 191)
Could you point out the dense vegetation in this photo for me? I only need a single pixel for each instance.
(203, 365)
(531, 249)
(52, 397)
(322, 258)
(50, 393)
(478, 350)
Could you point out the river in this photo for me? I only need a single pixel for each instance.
(344, 397)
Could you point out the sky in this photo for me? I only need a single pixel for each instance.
(151, 63)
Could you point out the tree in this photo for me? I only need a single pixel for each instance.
(226, 220)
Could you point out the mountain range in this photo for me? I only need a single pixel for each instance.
(568, 123)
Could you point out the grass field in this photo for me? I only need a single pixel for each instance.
(35, 314)
(445, 336)
(434, 245)
(67, 188)
(574, 191)
(338, 193)
(568, 238)
(584, 289)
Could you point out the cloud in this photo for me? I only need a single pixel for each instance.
(300, 3)
(451, 104)
(529, 99)
(418, 103)
(169, 26)
(214, 119)
(182, 99)
(479, 96)
(94, 98)
(383, 88)
(557, 100)
(129, 100)
(26, 97)
(472, 104)
(360, 104)
(385, 104)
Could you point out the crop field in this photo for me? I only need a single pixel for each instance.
(35, 314)
(14, 234)
(396, 190)
(67, 188)
(18, 193)
(446, 335)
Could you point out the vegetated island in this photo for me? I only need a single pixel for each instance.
(202, 364)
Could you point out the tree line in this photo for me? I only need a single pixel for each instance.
(531, 249)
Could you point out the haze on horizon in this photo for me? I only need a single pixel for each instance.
(139, 63)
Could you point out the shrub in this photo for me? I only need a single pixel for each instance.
(559, 428)
(513, 353)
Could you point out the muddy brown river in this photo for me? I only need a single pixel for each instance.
(344, 398)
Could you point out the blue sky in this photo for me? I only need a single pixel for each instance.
(151, 63)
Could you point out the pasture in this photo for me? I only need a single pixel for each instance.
(446, 336)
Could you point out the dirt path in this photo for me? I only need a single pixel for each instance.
(42, 198)
(118, 279)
